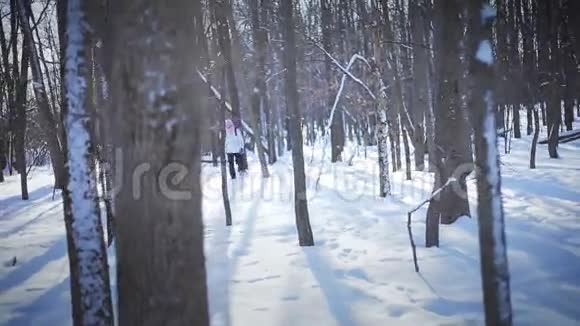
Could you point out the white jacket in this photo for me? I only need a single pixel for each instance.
(234, 141)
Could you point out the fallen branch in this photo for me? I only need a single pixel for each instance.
(435, 193)
(331, 118)
(413, 247)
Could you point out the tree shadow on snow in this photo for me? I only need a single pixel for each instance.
(15, 203)
(51, 308)
(222, 266)
(33, 220)
(56, 251)
(339, 296)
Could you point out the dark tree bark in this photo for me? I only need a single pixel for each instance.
(516, 118)
(20, 119)
(452, 139)
(407, 155)
(223, 160)
(7, 94)
(259, 92)
(156, 112)
(337, 123)
(47, 120)
(535, 139)
(265, 10)
(420, 74)
(305, 237)
(3, 159)
(569, 65)
(549, 56)
(222, 11)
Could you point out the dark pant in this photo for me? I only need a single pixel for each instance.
(238, 158)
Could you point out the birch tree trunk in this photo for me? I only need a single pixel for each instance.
(157, 109)
(90, 285)
(492, 243)
(383, 138)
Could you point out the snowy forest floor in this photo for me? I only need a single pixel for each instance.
(359, 273)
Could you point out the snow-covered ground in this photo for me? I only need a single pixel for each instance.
(359, 273)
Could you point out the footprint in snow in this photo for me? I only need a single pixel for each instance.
(271, 277)
(290, 298)
(11, 263)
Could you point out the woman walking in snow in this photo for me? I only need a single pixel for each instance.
(234, 144)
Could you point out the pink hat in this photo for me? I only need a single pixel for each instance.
(229, 125)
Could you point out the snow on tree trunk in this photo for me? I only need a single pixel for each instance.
(383, 148)
(88, 255)
(494, 262)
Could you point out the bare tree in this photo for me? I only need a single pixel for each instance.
(47, 119)
(305, 237)
(259, 91)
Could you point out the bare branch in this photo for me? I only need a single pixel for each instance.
(344, 70)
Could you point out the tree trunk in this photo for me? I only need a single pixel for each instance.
(383, 148)
(20, 121)
(222, 8)
(47, 120)
(492, 243)
(543, 108)
(223, 159)
(529, 120)
(3, 159)
(516, 118)
(432, 220)
(305, 237)
(452, 137)
(393, 148)
(554, 100)
(88, 256)
(535, 139)
(407, 154)
(8, 87)
(157, 110)
(259, 92)
(568, 108)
